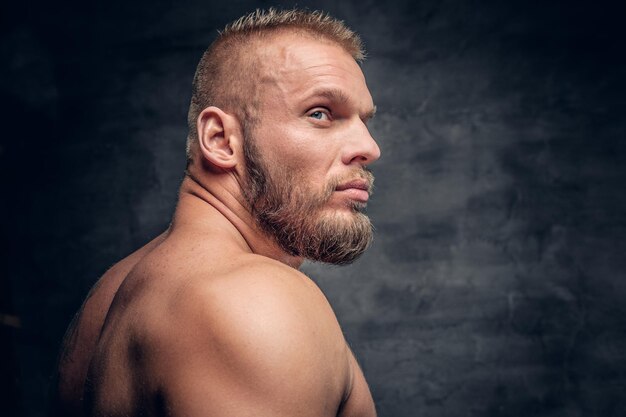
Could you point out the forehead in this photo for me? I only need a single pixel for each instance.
(296, 65)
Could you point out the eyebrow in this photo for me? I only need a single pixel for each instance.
(335, 95)
(340, 97)
(369, 115)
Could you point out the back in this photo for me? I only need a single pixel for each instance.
(229, 333)
(83, 334)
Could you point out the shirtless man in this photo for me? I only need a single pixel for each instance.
(212, 318)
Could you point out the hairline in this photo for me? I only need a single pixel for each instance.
(245, 41)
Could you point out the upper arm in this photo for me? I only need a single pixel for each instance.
(359, 401)
(262, 346)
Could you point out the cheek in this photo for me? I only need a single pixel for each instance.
(308, 166)
(301, 150)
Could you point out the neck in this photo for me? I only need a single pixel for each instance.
(216, 202)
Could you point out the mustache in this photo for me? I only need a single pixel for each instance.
(276, 192)
(363, 174)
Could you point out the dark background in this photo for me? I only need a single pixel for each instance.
(496, 284)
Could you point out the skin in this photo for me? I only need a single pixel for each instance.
(212, 318)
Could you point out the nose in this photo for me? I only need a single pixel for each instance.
(362, 149)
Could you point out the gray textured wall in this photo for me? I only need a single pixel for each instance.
(496, 282)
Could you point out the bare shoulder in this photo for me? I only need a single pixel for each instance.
(259, 285)
(261, 339)
(265, 284)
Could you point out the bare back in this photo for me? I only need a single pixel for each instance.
(191, 326)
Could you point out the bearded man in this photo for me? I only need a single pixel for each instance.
(212, 318)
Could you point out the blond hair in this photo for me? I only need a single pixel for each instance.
(227, 74)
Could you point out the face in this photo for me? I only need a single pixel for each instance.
(306, 157)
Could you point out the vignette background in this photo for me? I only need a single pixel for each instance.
(495, 285)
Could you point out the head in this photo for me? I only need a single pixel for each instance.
(228, 73)
(292, 81)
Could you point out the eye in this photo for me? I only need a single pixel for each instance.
(320, 114)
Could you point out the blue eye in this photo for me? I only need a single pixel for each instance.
(319, 115)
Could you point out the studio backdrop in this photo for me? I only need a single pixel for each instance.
(495, 285)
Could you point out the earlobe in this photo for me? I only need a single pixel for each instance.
(216, 137)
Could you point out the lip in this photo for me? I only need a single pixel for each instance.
(356, 190)
(356, 184)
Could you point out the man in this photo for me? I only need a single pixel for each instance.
(212, 318)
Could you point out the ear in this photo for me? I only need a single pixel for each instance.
(219, 137)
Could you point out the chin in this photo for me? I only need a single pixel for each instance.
(358, 206)
(338, 238)
(348, 207)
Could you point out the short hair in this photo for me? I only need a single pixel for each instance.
(227, 74)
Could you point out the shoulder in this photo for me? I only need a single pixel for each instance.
(265, 331)
(263, 285)
(262, 301)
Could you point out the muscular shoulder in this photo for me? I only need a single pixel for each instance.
(264, 284)
(265, 331)
(277, 307)
(255, 284)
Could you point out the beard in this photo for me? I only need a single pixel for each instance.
(292, 212)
